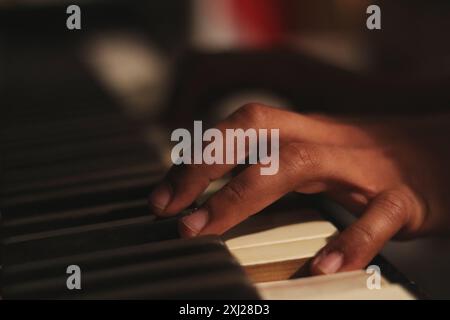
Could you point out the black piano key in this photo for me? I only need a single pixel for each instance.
(111, 258)
(72, 168)
(151, 272)
(80, 196)
(200, 267)
(226, 285)
(70, 241)
(15, 225)
(106, 175)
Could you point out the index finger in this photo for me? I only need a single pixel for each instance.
(184, 183)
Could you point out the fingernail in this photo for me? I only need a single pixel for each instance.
(329, 263)
(192, 224)
(160, 198)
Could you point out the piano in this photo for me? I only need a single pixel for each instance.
(75, 175)
(74, 186)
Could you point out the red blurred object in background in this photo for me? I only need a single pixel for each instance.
(262, 22)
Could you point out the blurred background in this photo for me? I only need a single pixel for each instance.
(166, 63)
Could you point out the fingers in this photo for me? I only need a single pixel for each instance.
(185, 183)
(356, 246)
(302, 167)
(243, 196)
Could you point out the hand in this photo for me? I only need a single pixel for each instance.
(392, 173)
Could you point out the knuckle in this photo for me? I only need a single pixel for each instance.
(252, 113)
(364, 234)
(394, 206)
(297, 155)
(234, 192)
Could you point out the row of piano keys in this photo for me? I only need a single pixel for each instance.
(276, 246)
(76, 174)
(74, 185)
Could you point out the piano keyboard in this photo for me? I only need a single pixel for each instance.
(199, 268)
(341, 286)
(75, 178)
(74, 184)
(276, 245)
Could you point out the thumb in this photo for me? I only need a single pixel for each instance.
(357, 245)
